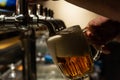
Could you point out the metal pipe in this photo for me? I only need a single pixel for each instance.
(29, 63)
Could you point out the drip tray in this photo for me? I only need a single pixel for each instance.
(48, 72)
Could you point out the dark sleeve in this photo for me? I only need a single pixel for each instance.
(111, 62)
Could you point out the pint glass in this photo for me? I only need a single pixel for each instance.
(71, 52)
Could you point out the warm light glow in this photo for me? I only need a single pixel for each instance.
(20, 68)
(8, 42)
(70, 14)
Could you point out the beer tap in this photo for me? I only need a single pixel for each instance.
(41, 14)
(28, 42)
(48, 16)
(51, 14)
(33, 13)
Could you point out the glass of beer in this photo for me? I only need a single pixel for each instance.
(71, 52)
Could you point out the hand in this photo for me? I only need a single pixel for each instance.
(101, 30)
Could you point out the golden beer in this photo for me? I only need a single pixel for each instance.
(71, 52)
(75, 67)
